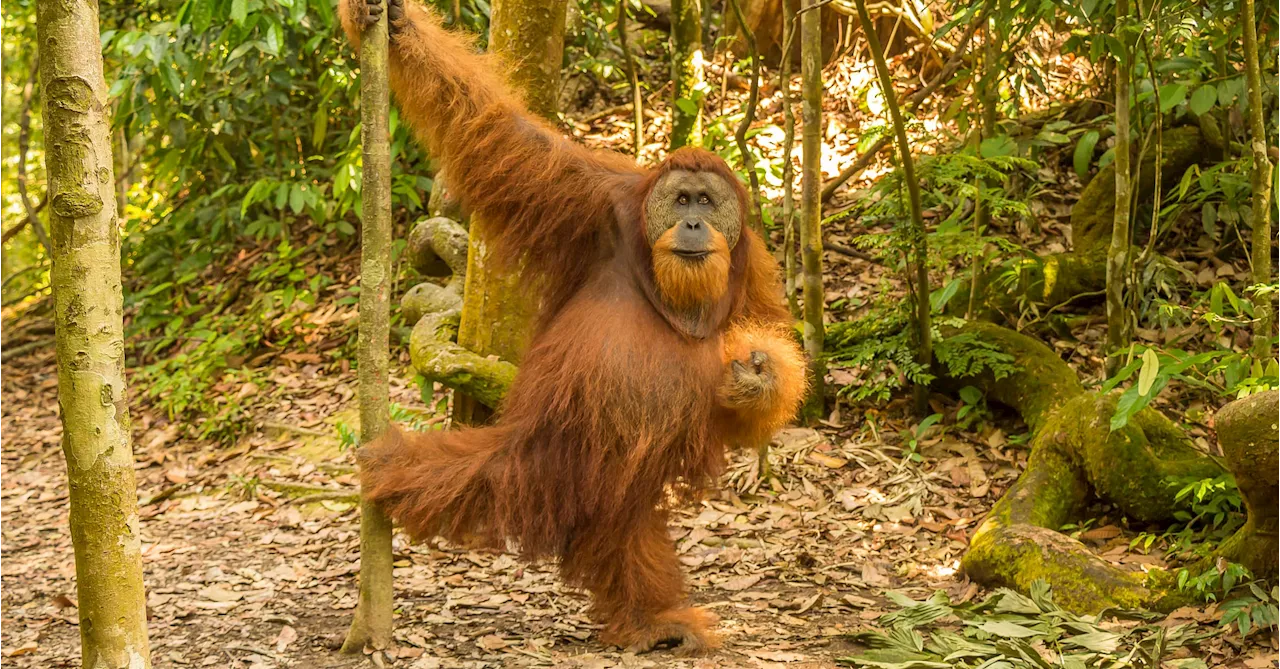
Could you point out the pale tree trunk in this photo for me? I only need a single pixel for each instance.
(687, 73)
(371, 626)
(811, 204)
(920, 241)
(88, 319)
(1118, 256)
(1260, 179)
(497, 308)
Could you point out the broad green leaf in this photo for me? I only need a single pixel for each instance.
(1084, 153)
(201, 15)
(1209, 219)
(1096, 641)
(1007, 630)
(239, 11)
(1150, 368)
(1131, 403)
(1203, 99)
(297, 200)
(998, 147)
(1172, 95)
(687, 106)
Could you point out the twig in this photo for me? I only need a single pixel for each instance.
(285, 427)
(19, 351)
(847, 251)
(353, 497)
(250, 649)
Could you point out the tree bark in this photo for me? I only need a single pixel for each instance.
(1118, 254)
(633, 79)
(1264, 307)
(811, 206)
(498, 309)
(371, 625)
(89, 327)
(687, 73)
(920, 241)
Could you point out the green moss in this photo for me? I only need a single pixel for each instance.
(1018, 555)
(1092, 215)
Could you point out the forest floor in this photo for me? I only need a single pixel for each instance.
(249, 564)
(250, 550)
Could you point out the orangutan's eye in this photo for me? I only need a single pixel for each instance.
(683, 199)
(704, 199)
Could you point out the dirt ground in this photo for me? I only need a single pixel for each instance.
(251, 550)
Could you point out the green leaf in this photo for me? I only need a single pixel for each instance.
(1084, 153)
(1150, 368)
(970, 395)
(1131, 403)
(239, 11)
(1099, 642)
(1209, 219)
(1172, 95)
(1007, 630)
(1203, 99)
(297, 200)
(687, 106)
(201, 15)
(998, 147)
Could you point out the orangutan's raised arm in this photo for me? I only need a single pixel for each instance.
(545, 194)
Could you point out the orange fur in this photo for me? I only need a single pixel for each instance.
(761, 408)
(687, 284)
(614, 415)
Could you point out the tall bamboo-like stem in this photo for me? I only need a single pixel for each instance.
(811, 206)
(749, 117)
(1118, 256)
(1264, 307)
(371, 625)
(84, 245)
(987, 88)
(788, 171)
(920, 241)
(633, 75)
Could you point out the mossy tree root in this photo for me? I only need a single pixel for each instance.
(1247, 431)
(1075, 457)
(438, 248)
(437, 356)
(1055, 279)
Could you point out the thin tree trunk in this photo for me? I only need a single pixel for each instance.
(1260, 178)
(497, 310)
(748, 117)
(788, 171)
(920, 241)
(633, 75)
(371, 626)
(687, 73)
(1118, 261)
(122, 171)
(90, 338)
(987, 99)
(811, 205)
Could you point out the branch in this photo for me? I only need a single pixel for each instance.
(911, 103)
(749, 116)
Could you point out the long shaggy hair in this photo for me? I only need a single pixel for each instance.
(615, 411)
